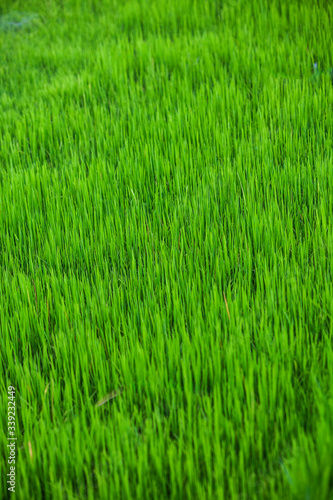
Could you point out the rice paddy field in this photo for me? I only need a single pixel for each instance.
(166, 249)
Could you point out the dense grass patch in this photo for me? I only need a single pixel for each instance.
(166, 200)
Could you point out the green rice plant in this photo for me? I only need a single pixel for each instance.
(166, 247)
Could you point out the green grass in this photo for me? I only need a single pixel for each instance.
(166, 201)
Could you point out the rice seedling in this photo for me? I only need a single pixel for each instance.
(166, 200)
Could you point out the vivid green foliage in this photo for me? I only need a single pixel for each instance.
(166, 201)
